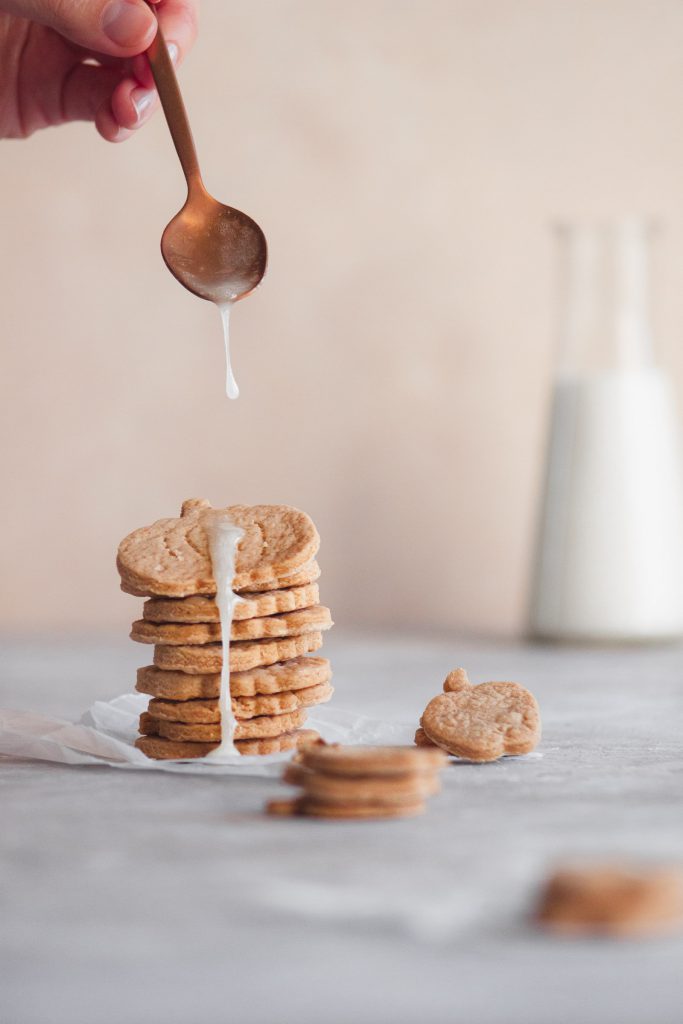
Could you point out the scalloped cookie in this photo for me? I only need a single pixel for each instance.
(306, 620)
(161, 749)
(207, 711)
(250, 606)
(243, 655)
(171, 557)
(295, 674)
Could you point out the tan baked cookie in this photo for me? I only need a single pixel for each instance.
(285, 676)
(278, 744)
(306, 620)
(244, 655)
(251, 606)
(485, 722)
(171, 557)
(207, 711)
(251, 728)
(283, 808)
(335, 759)
(610, 899)
(308, 573)
(302, 806)
(422, 739)
(320, 809)
(161, 749)
(339, 789)
(172, 685)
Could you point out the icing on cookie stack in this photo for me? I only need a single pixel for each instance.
(252, 572)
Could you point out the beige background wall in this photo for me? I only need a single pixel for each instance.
(405, 160)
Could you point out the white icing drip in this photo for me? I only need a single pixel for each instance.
(223, 538)
(231, 388)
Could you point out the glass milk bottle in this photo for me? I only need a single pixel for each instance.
(609, 552)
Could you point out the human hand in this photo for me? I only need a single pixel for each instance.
(82, 60)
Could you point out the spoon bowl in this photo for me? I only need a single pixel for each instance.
(215, 251)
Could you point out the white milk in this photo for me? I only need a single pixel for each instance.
(609, 563)
(223, 538)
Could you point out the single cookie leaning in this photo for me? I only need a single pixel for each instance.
(295, 674)
(243, 655)
(208, 711)
(171, 557)
(306, 620)
(485, 722)
(612, 899)
(250, 606)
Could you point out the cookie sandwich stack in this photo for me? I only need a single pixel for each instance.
(359, 782)
(277, 624)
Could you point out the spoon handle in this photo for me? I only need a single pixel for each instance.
(174, 108)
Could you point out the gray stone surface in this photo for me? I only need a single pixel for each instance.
(137, 896)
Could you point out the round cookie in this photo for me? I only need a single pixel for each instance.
(335, 759)
(295, 674)
(251, 728)
(611, 899)
(171, 557)
(207, 711)
(250, 606)
(394, 790)
(320, 809)
(485, 722)
(306, 620)
(170, 750)
(243, 655)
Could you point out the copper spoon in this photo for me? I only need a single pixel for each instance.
(214, 250)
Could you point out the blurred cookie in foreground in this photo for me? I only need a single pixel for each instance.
(612, 900)
(359, 782)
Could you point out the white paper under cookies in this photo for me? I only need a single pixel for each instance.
(106, 735)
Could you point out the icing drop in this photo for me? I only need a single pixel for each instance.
(223, 537)
(231, 388)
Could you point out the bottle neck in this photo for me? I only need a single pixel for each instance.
(606, 310)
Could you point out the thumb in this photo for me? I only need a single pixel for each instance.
(121, 28)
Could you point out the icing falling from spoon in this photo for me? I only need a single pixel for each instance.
(231, 388)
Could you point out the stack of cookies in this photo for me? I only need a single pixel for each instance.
(277, 624)
(360, 782)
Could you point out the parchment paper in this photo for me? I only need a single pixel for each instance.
(106, 734)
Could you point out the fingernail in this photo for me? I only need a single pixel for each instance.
(142, 101)
(172, 52)
(127, 23)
